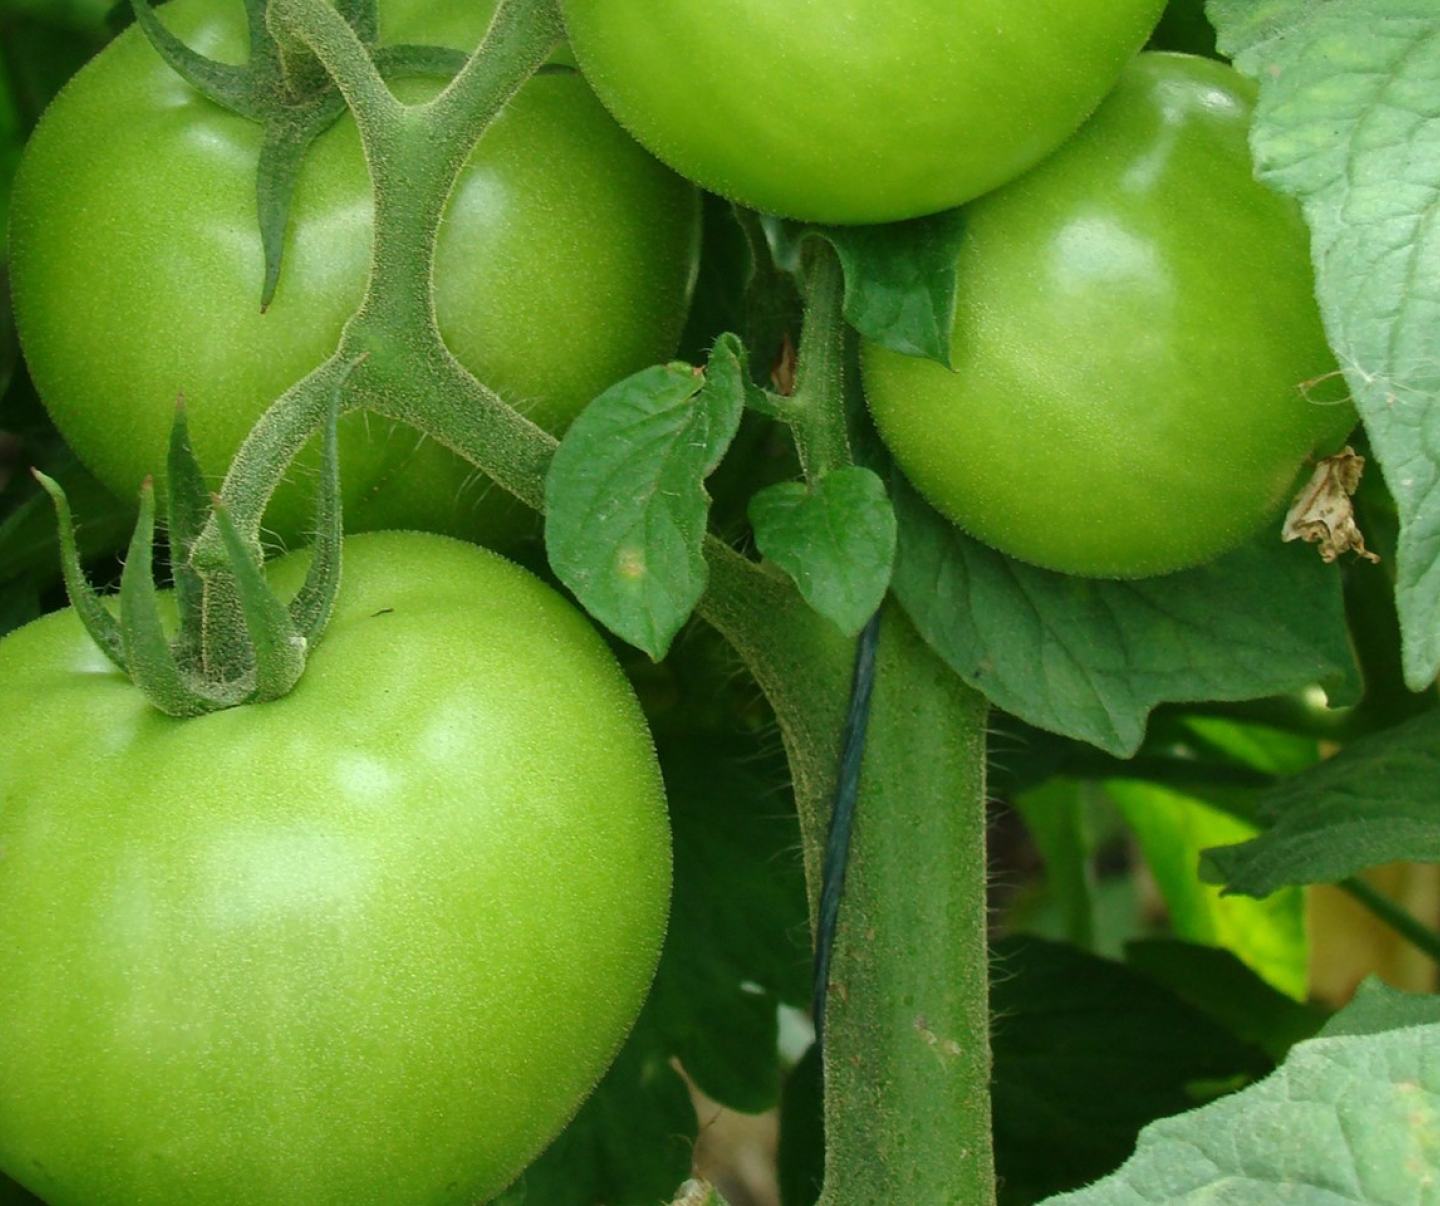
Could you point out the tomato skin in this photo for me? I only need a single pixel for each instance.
(565, 263)
(851, 111)
(372, 942)
(1140, 367)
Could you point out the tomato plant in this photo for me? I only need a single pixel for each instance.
(853, 110)
(351, 938)
(1140, 372)
(353, 889)
(565, 262)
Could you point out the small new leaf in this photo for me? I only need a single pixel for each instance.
(626, 507)
(900, 279)
(1375, 802)
(836, 541)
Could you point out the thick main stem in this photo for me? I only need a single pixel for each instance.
(907, 1045)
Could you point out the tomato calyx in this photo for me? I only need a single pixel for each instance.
(208, 665)
(285, 89)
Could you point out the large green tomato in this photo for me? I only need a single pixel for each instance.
(565, 263)
(854, 110)
(1140, 368)
(373, 942)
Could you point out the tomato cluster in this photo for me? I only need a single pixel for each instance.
(303, 945)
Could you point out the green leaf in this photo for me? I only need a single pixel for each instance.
(1377, 1008)
(626, 507)
(900, 282)
(1221, 987)
(1377, 801)
(837, 541)
(1086, 1053)
(1345, 1119)
(1347, 123)
(801, 1161)
(1172, 828)
(738, 942)
(1091, 658)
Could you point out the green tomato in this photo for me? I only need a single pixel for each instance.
(1140, 368)
(854, 110)
(374, 941)
(565, 262)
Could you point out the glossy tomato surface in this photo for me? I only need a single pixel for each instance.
(565, 263)
(1140, 368)
(372, 942)
(854, 110)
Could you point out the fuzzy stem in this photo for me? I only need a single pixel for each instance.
(817, 413)
(907, 1047)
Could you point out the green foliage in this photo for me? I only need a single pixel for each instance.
(1086, 1053)
(625, 500)
(1351, 1116)
(1378, 1008)
(1098, 679)
(836, 539)
(1219, 985)
(1172, 827)
(1090, 659)
(899, 279)
(1374, 803)
(1346, 123)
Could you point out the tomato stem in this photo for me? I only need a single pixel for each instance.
(818, 415)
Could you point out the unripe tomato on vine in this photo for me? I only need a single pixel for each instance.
(1140, 371)
(854, 111)
(374, 941)
(565, 262)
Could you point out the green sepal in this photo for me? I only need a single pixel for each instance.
(287, 91)
(149, 659)
(311, 607)
(278, 648)
(187, 509)
(98, 622)
(231, 87)
(282, 151)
